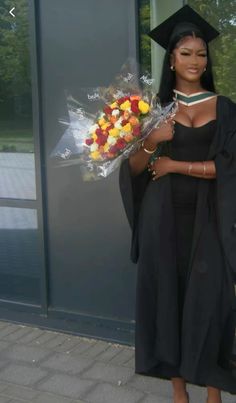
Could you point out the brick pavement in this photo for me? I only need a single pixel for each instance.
(42, 366)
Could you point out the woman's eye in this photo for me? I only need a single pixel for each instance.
(185, 54)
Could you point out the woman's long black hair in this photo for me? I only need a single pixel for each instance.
(167, 83)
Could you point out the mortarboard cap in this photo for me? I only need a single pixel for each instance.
(184, 20)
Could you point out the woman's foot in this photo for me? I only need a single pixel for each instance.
(214, 395)
(181, 397)
(214, 400)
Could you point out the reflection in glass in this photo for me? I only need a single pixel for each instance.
(20, 260)
(221, 14)
(16, 134)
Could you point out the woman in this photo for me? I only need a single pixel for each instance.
(181, 209)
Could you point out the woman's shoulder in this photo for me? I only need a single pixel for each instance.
(226, 102)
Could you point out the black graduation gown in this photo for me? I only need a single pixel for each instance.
(203, 354)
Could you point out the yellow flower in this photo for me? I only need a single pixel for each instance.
(127, 127)
(143, 107)
(95, 155)
(94, 136)
(114, 132)
(113, 105)
(101, 122)
(106, 147)
(125, 105)
(103, 127)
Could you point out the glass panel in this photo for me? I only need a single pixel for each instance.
(152, 13)
(16, 134)
(222, 15)
(20, 260)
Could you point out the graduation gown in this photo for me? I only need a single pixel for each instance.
(202, 348)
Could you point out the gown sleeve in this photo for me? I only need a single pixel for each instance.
(225, 162)
(132, 189)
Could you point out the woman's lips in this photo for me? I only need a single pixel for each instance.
(193, 70)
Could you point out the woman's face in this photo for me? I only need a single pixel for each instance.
(189, 58)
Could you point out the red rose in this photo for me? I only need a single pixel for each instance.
(101, 140)
(122, 99)
(134, 106)
(120, 144)
(136, 130)
(113, 149)
(98, 132)
(107, 110)
(109, 127)
(89, 142)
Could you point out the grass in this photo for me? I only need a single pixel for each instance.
(16, 140)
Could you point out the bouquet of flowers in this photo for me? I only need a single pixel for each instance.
(127, 111)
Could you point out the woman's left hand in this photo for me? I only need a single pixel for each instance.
(160, 167)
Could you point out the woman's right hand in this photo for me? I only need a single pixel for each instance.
(164, 132)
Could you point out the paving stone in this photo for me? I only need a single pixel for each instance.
(33, 334)
(21, 374)
(70, 386)
(21, 392)
(56, 341)
(4, 324)
(157, 399)
(17, 401)
(106, 393)
(7, 330)
(108, 354)
(198, 393)
(96, 349)
(25, 353)
(149, 384)
(3, 386)
(124, 355)
(66, 363)
(130, 363)
(82, 347)
(78, 401)
(68, 345)
(107, 372)
(4, 345)
(15, 336)
(5, 399)
(50, 398)
(43, 339)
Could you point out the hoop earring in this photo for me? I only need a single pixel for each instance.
(172, 68)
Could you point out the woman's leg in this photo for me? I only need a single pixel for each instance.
(180, 393)
(213, 395)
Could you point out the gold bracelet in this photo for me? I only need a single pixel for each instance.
(204, 168)
(145, 149)
(190, 168)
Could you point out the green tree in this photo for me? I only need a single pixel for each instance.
(14, 52)
(222, 15)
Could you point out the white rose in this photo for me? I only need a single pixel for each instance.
(94, 147)
(115, 112)
(111, 140)
(93, 128)
(122, 133)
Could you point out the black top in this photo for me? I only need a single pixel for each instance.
(189, 144)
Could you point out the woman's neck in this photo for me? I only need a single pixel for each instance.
(188, 87)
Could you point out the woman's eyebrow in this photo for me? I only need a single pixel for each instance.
(182, 47)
